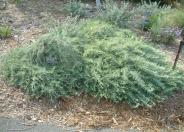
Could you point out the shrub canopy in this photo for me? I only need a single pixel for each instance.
(47, 68)
(124, 68)
(95, 57)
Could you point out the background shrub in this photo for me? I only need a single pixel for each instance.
(161, 2)
(166, 26)
(113, 13)
(173, 18)
(163, 22)
(147, 14)
(75, 8)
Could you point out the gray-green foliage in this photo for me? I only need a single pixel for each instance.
(122, 67)
(75, 8)
(48, 68)
(144, 12)
(95, 57)
(113, 13)
(160, 21)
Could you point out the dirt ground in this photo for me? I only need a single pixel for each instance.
(29, 21)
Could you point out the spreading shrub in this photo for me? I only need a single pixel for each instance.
(122, 67)
(48, 68)
(125, 68)
(112, 64)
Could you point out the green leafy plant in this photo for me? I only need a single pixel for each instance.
(75, 8)
(165, 26)
(163, 22)
(112, 64)
(48, 68)
(95, 30)
(5, 32)
(122, 67)
(18, 1)
(147, 14)
(115, 14)
(174, 18)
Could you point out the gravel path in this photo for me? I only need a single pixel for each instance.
(13, 125)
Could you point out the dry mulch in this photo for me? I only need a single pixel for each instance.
(86, 112)
(83, 111)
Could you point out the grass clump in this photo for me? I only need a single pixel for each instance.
(112, 64)
(48, 68)
(5, 32)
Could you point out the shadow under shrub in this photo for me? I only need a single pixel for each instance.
(48, 68)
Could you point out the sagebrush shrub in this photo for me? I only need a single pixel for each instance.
(113, 13)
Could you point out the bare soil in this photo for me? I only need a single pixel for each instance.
(28, 22)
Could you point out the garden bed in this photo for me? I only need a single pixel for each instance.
(84, 111)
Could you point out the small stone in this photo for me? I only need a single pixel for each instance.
(87, 113)
(34, 118)
(15, 36)
(40, 121)
(28, 117)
